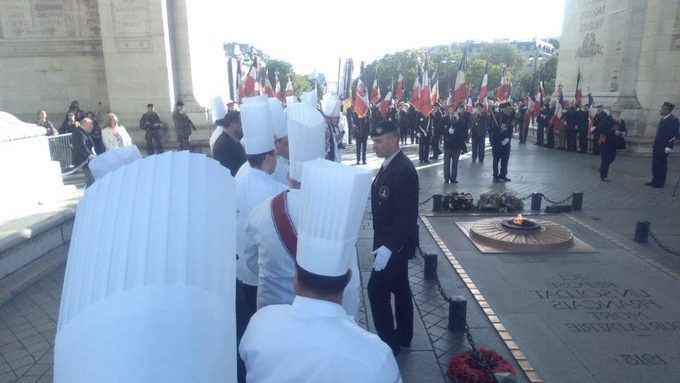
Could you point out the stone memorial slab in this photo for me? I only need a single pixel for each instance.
(610, 317)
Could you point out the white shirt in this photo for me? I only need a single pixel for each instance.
(313, 341)
(281, 172)
(251, 189)
(276, 269)
(110, 140)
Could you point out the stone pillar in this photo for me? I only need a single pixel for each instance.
(136, 56)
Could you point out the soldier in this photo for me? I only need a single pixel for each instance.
(394, 206)
(455, 137)
(549, 129)
(151, 124)
(523, 122)
(666, 134)
(424, 134)
(582, 122)
(500, 141)
(183, 126)
(599, 118)
(570, 118)
(361, 130)
(404, 122)
(480, 124)
(437, 130)
(542, 121)
(606, 133)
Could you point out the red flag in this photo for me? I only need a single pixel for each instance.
(279, 92)
(504, 88)
(560, 95)
(460, 91)
(385, 104)
(425, 98)
(556, 119)
(361, 99)
(250, 81)
(267, 86)
(240, 90)
(375, 93)
(415, 92)
(289, 87)
(434, 92)
(468, 108)
(400, 88)
(539, 101)
(578, 96)
(449, 102)
(483, 90)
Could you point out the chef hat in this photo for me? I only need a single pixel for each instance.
(258, 131)
(333, 201)
(310, 98)
(143, 289)
(290, 100)
(306, 137)
(112, 159)
(331, 106)
(278, 118)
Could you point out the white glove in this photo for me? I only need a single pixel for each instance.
(667, 149)
(505, 141)
(450, 130)
(382, 256)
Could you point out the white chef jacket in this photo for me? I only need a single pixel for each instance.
(276, 269)
(313, 340)
(251, 189)
(281, 172)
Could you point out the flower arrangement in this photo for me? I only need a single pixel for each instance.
(464, 367)
(495, 202)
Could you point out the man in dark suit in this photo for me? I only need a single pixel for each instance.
(394, 205)
(501, 134)
(437, 130)
(361, 131)
(227, 149)
(425, 135)
(666, 134)
(82, 148)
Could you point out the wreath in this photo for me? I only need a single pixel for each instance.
(464, 368)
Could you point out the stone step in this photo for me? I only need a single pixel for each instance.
(31, 247)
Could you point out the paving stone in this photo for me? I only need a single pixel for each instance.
(8, 377)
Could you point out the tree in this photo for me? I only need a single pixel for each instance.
(300, 82)
(549, 70)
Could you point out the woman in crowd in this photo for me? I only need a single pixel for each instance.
(45, 123)
(114, 135)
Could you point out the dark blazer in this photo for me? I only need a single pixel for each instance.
(229, 152)
(665, 131)
(501, 128)
(82, 146)
(394, 204)
(457, 139)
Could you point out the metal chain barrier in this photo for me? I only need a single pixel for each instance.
(482, 362)
(426, 201)
(664, 247)
(526, 197)
(557, 202)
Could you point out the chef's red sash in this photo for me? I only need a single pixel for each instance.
(284, 225)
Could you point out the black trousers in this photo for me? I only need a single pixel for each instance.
(424, 148)
(478, 145)
(501, 153)
(607, 156)
(550, 133)
(361, 149)
(596, 146)
(571, 139)
(523, 132)
(659, 167)
(583, 140)
(540, 132)
(414, 136)
(153, 141)
(392, 280)
(244, 310)
(435, 145)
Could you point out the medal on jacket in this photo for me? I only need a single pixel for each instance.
(384, 192)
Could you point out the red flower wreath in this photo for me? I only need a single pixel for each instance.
(463, 367)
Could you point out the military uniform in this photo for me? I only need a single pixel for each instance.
(500, 144)
(425, 134)
(437, 131)
(480, 123)
(361, 130)
(571, 120)
(394, 205)
(582, 122)
(151, 124)
(666, 131)
(183, 125)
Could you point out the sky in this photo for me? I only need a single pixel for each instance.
(312, 35)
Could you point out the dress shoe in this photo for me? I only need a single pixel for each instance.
(364, 162)
(473, 161)
(649, 183)
(454, 182)
(426, 161)
(506, 179)
(657, 186)
(604, 179)
(495, 179)
(446, 181)
(481, 161)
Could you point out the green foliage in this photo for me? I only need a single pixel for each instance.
(549, 70)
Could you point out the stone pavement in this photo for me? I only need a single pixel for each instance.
(28, 321)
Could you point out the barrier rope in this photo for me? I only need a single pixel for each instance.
(482, 362)
(557, 202)
(426, 201)
(664, 247)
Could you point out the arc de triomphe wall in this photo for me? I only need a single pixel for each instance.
(629, 55)
(124, 53)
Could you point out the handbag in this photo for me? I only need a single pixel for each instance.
(620, 142)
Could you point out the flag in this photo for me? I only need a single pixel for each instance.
(578, 96)
(539, 100)
(250, 81)
(289, 87)
(267, 86)
(460, 91)
(560, 95)
(385, 104)
(361, 96)
(375, 92)
(415, 92)
(484, 89)
(240, 90)
(468, 108)
(504, 89)
(449, 102)
(434, 92)
(425, 99)
(399, 94)
(279, 92)
(556, 119)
